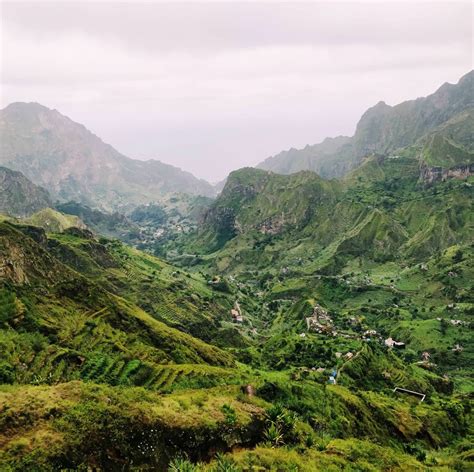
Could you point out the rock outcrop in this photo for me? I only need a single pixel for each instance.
(19, 197)
(432, 174)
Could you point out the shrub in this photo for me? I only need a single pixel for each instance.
(230, 415)
(180, 464)
(7, 373)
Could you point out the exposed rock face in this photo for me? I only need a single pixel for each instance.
(22, 260)
(429, 174)
(273, 225)
(12, 269)
(222, 218)
(19, 196)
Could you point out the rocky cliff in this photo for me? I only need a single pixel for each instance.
(19, 196)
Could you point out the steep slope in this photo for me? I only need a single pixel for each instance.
(382, 129)
(63, 325)
(377, 236)
(308, 158)
(381, 211)
(267, 203)
(74, 164)
(19, 196)
(448, 150)
(97, 375)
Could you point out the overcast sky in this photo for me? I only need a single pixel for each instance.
(211, 87)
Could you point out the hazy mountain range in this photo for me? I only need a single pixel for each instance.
(74, 164)
(382, 129)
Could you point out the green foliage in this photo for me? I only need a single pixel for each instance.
(230, 415)
(78, 425)
(8, 307)
(115, 359)
(182, 465)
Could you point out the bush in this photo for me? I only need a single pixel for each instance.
(180, 464)
(230, 415)
(7, 373)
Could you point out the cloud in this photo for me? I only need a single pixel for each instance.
(214, 87)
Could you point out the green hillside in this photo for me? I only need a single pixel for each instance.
(62, 321)
(293, 323)
(53, 221)
(89, 332)
(381, 212)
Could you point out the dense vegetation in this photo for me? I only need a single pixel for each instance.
(293, 324)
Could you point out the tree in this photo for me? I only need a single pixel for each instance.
(443, 325)
(458, 255)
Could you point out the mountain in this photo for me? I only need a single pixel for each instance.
(89, 301)
(74, 164)
(267, 203)
(308, 158)
(19, 196)
(53, 221)
(382, 129)
(381, 211)
(298, 323)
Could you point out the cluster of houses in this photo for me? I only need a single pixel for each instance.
(347, 356)
(455, 322)
(320, 321)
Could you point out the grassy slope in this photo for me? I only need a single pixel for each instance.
(66, 326)
(53, 221)
(180, 300)
(294, 221)
(78, 425)
(77, 308)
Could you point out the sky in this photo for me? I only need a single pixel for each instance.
(214, 86)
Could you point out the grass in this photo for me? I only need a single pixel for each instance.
(70, 425)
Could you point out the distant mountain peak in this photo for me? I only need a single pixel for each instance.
(381, 129)
(74, 164)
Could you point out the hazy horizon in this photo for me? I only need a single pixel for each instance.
(213, 87)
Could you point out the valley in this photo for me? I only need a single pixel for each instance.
(293, 322)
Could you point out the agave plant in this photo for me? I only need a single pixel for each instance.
(273, 435)
(224, 464)
(180, 464)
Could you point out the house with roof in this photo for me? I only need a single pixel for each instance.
(236, 313)
(391, 343)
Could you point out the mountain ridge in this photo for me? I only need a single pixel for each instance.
(381, 129)
(75, 164)
(307, 323)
